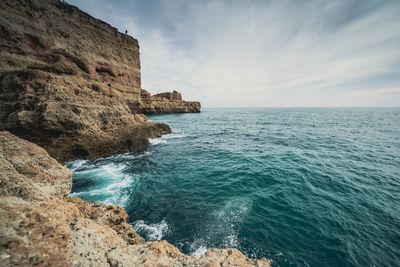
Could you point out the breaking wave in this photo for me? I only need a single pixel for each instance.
(105, 180)
(221, 228)
(164, 138)
(157, 141)
(152, 231)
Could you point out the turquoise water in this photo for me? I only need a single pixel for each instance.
(303, 187)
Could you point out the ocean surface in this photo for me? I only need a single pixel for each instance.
(301, 186)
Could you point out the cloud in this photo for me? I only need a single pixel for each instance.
(265, 53)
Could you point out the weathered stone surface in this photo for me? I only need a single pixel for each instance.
(67, 81)
(35, 233)
(27, 171)
(174, 95)
(59, 233)
(46, 229)
(163, 103)
(153, 107)
(60, 39)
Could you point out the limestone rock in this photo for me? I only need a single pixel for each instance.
(67, 81)
(59, 233)
(163, 103)
(27, 171)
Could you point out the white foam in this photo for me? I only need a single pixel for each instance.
(112, 192)
(165, 137)
(173, 135)
(157, 141)
(75, 165)
(113, 171)
(222, 227)
(153, 231)
(200, 251)
(112, 184)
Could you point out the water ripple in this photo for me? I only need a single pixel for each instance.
(304, 187)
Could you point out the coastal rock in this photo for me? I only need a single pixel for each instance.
(27, 171)
(163, 103)
(41, 227)
(71, 84)
(68, 81)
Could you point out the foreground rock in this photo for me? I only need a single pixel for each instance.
(39, 226)
(163, 103)
(68, 81)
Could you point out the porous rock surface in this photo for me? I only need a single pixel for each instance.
(68, 81)
(163, 103)
(45, 228)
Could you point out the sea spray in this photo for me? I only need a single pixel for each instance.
(151, 231)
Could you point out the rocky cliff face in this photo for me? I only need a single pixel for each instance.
(163, 103)
(68, 81)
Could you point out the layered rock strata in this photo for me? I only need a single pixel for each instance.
(163, 103)
(68, 81)
(40, 226)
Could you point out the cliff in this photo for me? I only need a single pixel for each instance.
(163, 103)
(68, 81)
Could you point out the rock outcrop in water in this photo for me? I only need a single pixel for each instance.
(70, 83)
(169, 102)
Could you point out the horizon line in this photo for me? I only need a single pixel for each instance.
(303, 107)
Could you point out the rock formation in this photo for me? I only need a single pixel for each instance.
(71, 84)
(68, 81)
(169, 102)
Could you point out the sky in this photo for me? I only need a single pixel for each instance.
(264, 53)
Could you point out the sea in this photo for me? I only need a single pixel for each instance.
(300, 186)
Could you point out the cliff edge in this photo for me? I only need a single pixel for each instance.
(68, 81)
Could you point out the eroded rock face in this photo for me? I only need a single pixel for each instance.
(163, 103)
(68, 81)
(60, 39)
(172, 96)
(41, 227)
(27, 171)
